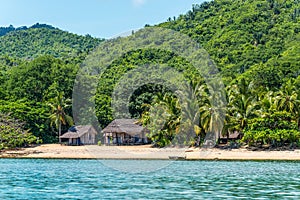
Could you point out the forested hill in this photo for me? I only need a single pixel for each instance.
(42, 39)
(240, 35)
(254, 43)
(10, 28)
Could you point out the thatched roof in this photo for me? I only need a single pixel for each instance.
(80, 131)
(234, 135)
(128, 126)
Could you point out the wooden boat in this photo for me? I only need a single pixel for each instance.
(177, 157)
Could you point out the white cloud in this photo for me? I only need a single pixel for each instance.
(138, 3)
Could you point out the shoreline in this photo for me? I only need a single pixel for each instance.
(145, 152)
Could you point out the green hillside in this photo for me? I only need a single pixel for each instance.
(40, 39)
(255, 45)
(241, 35)
(36, 64)
(5, 30)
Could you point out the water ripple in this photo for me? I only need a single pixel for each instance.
(90, 179)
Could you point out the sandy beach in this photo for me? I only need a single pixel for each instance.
(145, 152)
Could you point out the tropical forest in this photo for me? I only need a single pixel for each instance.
(254, 44)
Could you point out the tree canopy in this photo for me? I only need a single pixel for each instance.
(42, 39)
(255, 45)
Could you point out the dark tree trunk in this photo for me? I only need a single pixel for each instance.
(59, 132)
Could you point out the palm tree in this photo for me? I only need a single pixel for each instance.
(212, 110)
(171, 115)
(162, 118)
(242, 105)
(242, 109)
(267, 103)
(287, 99)
(58, 115)
(190, 116)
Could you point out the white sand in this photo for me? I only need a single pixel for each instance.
(146, 152)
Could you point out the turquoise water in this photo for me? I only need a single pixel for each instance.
(90, 179)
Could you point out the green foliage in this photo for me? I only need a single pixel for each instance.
(5, 30)
(58, 115)
(27, 88)
(39, 79)
(45, 40)
(276, 130)
(144, 94)
(162, 119)
(279, 69)
(35, 64)
(255, 44)
(246, 36)
(13, 134)
(34, 115)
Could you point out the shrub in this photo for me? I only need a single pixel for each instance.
(276, 130)
(12, 134)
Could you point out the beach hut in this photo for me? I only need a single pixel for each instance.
(80, 135)
(125, 132)
(230, 137)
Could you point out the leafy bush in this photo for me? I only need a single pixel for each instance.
(276, 130)
(12, 134)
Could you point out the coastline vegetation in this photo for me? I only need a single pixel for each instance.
(255, 44)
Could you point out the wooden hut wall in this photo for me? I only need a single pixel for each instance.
(88, 138)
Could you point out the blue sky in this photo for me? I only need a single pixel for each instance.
(99, 18)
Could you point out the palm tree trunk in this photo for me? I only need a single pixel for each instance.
(59, 131)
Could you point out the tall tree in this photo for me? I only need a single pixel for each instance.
(242, 104)
(287, 99)
(212, 110)
(58, 115)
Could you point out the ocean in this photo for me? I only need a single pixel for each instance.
(105, 179)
